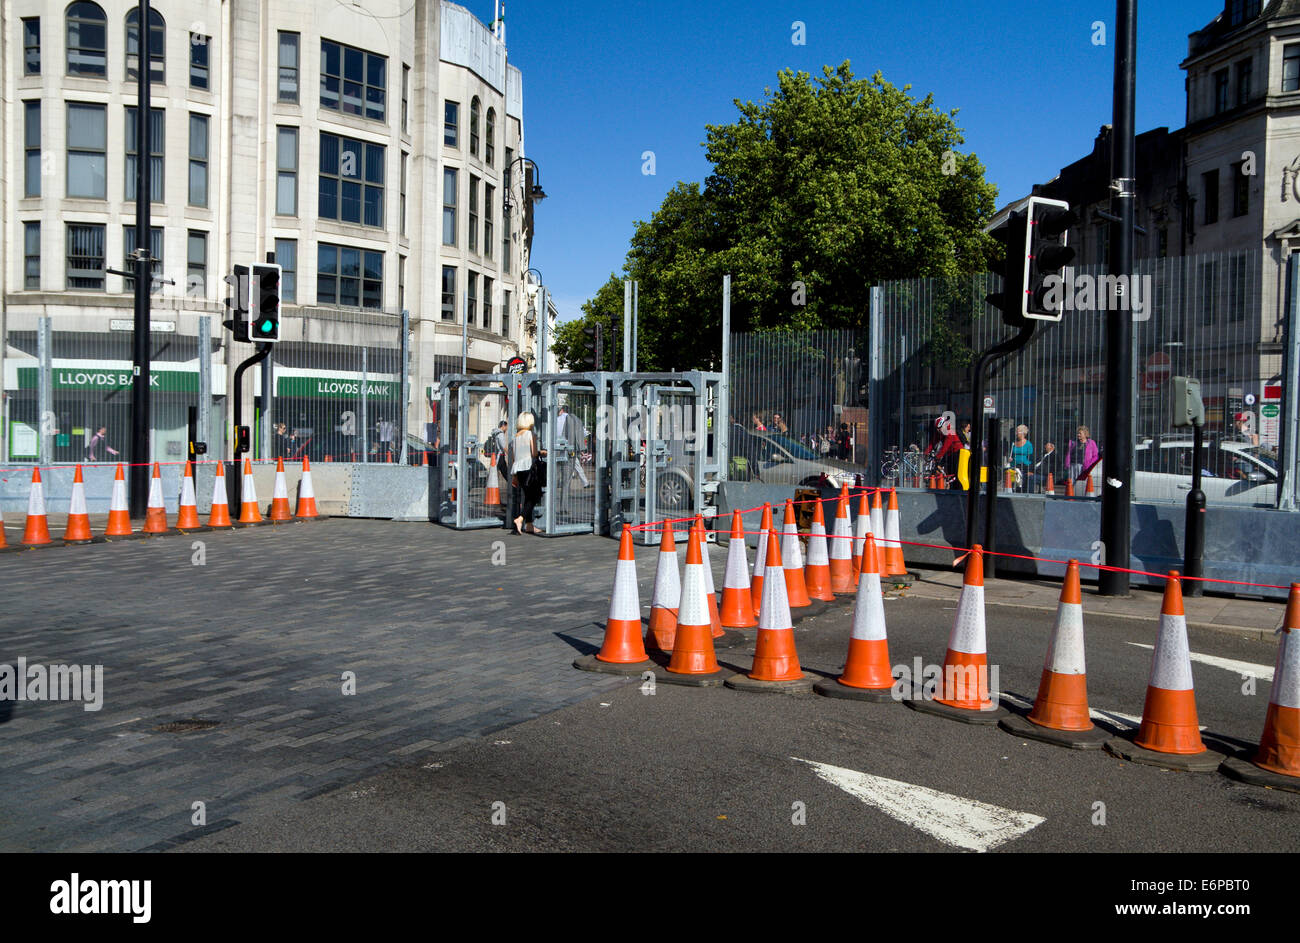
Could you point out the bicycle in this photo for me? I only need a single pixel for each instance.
(908, 462)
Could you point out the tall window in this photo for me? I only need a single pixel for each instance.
(473, 126)
(449, 293)
(1210, 196)
(401, 204)
(157, 44)
(199, 60)
(352, 81)
(157, 147)
(1162, 242)
(31, 45)
(155, 256)
(401, 283)
(489, 137)
(85, 261)
(32, 256)
(198, 160)
(348, 276)
(286, 256)
(505, 241)
(351, 180)
(487, 303)
(1103, 243)
(489, 195)
(196, 264)
(286, 171)
(288, 67)
(32, 148)
(505, 314)
(473, 213)
(1291, 67)
(1220, 91)
(406, 89)
(448, 206)
(471, 303)
(451, 122)
(1240, 191)
(87, 43)
(505, 172)
(87, 152)
(1245, 69)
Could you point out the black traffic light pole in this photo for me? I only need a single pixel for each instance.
(138, 488)
(234, 476)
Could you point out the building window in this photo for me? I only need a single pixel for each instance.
(505, 314)
(87, 152)
(487, 303)
(489, 140)
(1243, 10)
(198, 160)
(1207, 284)
(288, 67)
(32, 256)
(1240, 190)
(473, 126)
(505, 241)
(85, 262)
(32, 148)
(451, 122)
(351, 180)
(1291, 68)
(1237, 273)
(157, 44)
(1244, 71)
(505, 173)
(406, 90)
(155, 257)
(1162, 242)
(349, 277)
(471, 302)
(157, 146)
(489, 194)
(286, 171)
(401, 283)
(473, 213)
(401, 203)
(1210, 199)
(449, 293)
(1220, 91)
(286, 256)
(87, 43)
(448, 206)
(196, 264)
(31, 45)
(199, 60)
(352, 81)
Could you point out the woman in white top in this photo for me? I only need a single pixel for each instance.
(525, 473)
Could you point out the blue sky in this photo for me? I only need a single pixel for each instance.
(604, 83)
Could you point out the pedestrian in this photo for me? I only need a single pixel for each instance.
(759, 425)
(965, 435)
(778, 424)
(526, 474)
(1047, 465)
(1082, 453)
(1245, 427)
(827, 438)
(845, 443)
(96, 440)
(1022, 458)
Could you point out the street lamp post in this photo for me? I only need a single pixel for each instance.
(541, 329)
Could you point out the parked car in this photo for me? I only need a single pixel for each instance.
(1232, 471)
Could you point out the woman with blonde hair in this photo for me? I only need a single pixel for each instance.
(1022, 457)
(525, 473)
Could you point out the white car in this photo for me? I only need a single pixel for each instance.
(1232, 471)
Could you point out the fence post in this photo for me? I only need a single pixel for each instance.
(405, 394)
(876, 389)
(1288, 465)
(365, 419)
(204, 432)
(45, 390)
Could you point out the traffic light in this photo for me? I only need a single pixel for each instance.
(592, 358)
(1014, 236)
(238, 303)
(264, 303)
(1048, 255)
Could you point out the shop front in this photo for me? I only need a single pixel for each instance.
(336, 418)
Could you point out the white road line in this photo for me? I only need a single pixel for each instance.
(1261, 672)
(962, 823)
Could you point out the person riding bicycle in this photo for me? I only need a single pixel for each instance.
(944, 438)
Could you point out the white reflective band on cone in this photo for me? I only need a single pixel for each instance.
(1286, 672)
(737, 575)
(281, 489)
(694, 610)
(816, 547)
(968, 627)
(1065, 650)
(791, 553)
(304, 486)
(774, 613)
(36, 500)
(760, 561)
(626, 602)
(78, 505)
(842, 543)
(668, 588)
(187, 491)
(1171, 664)
(869, 610)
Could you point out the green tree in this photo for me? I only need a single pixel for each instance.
(606, 308)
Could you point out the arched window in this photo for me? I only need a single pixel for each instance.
(473, 126)
(157, 44)
(489, 144)
(87, 40)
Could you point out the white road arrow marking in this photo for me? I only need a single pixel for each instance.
(962, 823)
(1262, 672)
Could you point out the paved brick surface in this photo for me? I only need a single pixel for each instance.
(445, 646)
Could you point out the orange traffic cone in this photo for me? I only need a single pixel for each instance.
(155, 515)
(78, 528)
(817, 571)
(424, 458)
(737, 602)
(878, 525)
(843, 577)
(3, 541)
(693, 661)
(1050, 487)
(796, 589)
(715, 621)
(280, 496)
(622, 652)
(760, 560)
(37, 530)
(492, 496)
(867, 673)
(306, 495)
(119, 514)
(1060, 714)
(1088, 488)
(220, 516)
(894, 565)
(248, 512)
(776, 663)
(861, 527)
(187, 518)
(964, 690)
(665, 596)
(1170, 735)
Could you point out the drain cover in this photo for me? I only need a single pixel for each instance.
(185, 726)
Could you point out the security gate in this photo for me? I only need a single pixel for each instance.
(474, 493)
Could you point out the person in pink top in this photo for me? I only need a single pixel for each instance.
(1082, 453)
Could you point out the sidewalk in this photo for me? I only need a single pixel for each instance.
(1249, 618)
